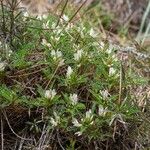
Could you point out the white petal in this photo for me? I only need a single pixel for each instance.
(53, 122)
(69, 72)
(79, 133)
(74, 99)
(112, 71)
(76, 123)
(2, 66)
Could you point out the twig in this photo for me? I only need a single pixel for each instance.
(59, 141)
(3, 19)
(51, 77)
(2, 137)
(120, 85)
(77, 11)
(65, 5)
(26, 74)
(5, 115)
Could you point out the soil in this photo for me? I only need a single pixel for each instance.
(128, 13)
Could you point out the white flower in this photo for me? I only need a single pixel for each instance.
(53, 53)
(79, 65)
(66, 18)
(89, 114)
(101, 110)
(74, 99)
(81, 28)
(110, 49)
(25, 14)
(53, 25)
(95, 44)
(69, 26)
(57, 30)
(50, 94)
(115, 58)
(45, 43)
(91, 122)
(57, 38)
(78, 55)
(76, 123)
(93, 33)
(69, 72)
(10, 52)
(102, 45)
(61, 63)
(42, 16)
(112, 71)
(46, 25)
(2, 66)
(56, 54)
(104, 93)
(79, 133)
(48, 45)
(39, 17)
(55, 121)
(56, 117)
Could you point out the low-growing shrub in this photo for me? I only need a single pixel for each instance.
(74, 88)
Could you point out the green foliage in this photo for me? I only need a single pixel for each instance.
(7, 96)
(76, 79)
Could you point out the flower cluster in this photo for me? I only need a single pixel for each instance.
(46, 25)
(104, 93)
(50, 94)
(65, 17)
(78, 55)
(69, 72)
(93, 33)
(57, 56)
(87, 120)
(45, 43)
(89, 116)
(102, 111)
(112, 71)
(42, 16)
(2, 66)
(56, 120)
(74, 99)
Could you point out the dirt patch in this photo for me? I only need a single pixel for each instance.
(128, 13)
